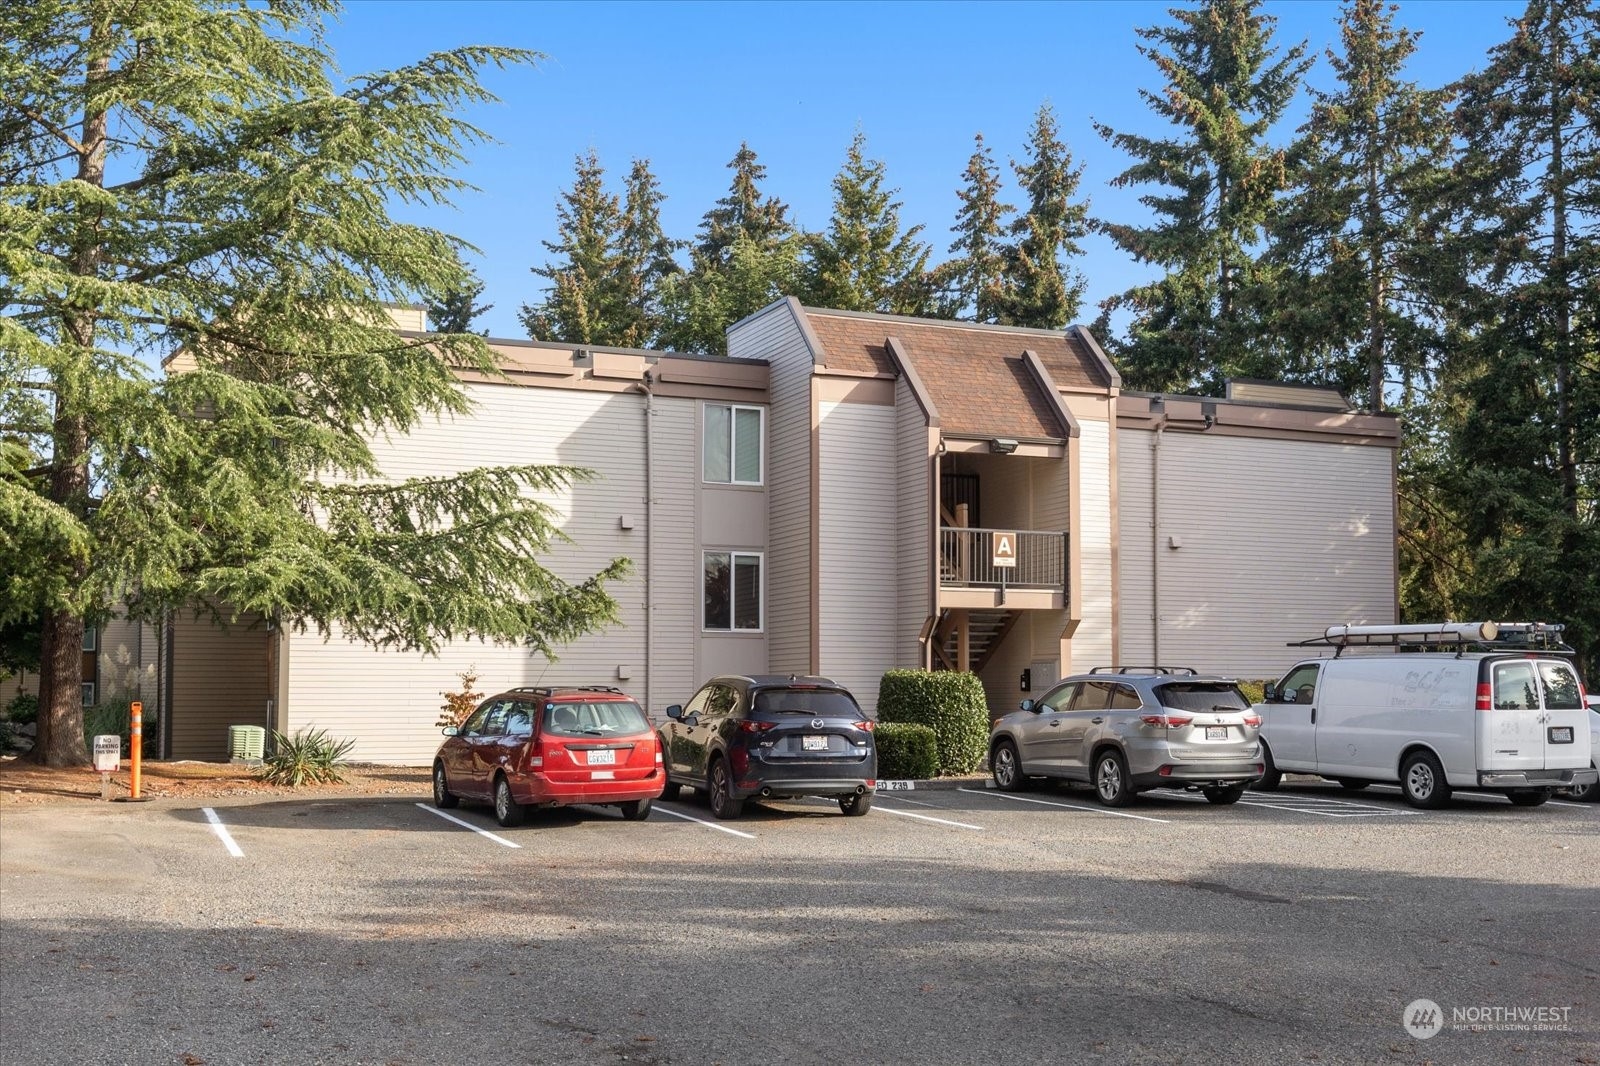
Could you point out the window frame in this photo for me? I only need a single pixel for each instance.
(733, 410)
(91, 640)
(88, 693)
(734, 554)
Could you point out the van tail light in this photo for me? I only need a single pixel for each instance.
(1252, 720)
(1170, 721)
(748, 726)
(1483, 696)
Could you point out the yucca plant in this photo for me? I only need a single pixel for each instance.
(308, 757)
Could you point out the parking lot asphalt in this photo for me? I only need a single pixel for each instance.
(955, 926)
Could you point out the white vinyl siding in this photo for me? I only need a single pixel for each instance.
(914, 526)
(775, 336)
(1091, 644)
(856, 542)
(1278, 539)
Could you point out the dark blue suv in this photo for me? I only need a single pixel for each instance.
(771, 735)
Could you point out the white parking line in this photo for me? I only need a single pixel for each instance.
(222, 833)
(469, 825)
(1491, 799)
(1326, 806)
(1068, 806)
(701, 821)
(928, 818)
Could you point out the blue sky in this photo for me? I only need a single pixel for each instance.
(681, 84)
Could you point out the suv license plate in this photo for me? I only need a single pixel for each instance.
(1561, 734)
(814, 743)
(603, 757)
(1216, 732)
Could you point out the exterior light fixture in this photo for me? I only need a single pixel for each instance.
(1003, 445)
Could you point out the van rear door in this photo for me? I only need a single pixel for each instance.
(1566, 723)
(1511, 730)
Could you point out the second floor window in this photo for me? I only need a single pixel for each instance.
(732, 452)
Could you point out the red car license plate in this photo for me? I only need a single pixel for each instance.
(1216, 732)
(814, 743)
(603, 757)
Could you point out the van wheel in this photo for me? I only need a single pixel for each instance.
(719, 789)
(442, 796)
(1007, 768)
(1353, 784)
(507, 811)
(1224, 796)
(1528, 797)
(1111, 785)
(1422, 781)
(856, 804)
(1584, 793)
(1271, 778)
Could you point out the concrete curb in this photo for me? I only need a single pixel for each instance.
(934, 784)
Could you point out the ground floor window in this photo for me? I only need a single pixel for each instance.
(732, 590)
(88, 693)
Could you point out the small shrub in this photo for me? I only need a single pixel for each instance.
(458, 705)
(907, 751)
(23, 708)
(949, 702)
(308, 757)
(1253, 690)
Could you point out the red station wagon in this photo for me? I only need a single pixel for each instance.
(550, 747)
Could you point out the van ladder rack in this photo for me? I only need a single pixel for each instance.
(1460, 637)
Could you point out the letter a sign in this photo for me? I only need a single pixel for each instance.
(1005, 549)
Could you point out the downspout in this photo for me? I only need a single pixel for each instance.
(649, 525)
(1155, 541)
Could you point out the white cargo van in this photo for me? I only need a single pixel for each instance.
(1434, 708)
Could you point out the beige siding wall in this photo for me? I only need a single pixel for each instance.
(856, 566)
(388, 701)
(732, 517)
(913, 526)
(1091, 645)
(219, 679)
(1279, 539)
(127, 661)
(27, 681)
(674, 563)
(1035, 640)
(775, 336)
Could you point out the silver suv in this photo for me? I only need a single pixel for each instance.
(1131, 729)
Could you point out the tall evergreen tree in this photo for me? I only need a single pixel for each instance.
(583, 303)
(1355, 246)
(183, 178)
(968, 286)
(863, 261)
(1224, 91)
(1526, 383)
(747, 255)
(644, 258)
(1038, 289)
(458, 309)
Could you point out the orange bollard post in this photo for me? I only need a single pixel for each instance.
(135, 746)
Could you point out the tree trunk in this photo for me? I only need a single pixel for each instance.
(60, 738)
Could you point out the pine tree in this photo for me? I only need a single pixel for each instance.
(1038, 290)
(184, 178)
(863, 262)
(968, 285)
(1525, 384)
(458, 309)
(644, 259)
(747, 255)
(1355, 242)
(1224, 91)
(584, 303)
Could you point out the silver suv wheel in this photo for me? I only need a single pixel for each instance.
(1111, 783)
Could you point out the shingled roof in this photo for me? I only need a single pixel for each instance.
(974, 374)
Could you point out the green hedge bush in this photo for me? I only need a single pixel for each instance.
(949, 702)
(1253, 690)
(23, 708)
(907, 751)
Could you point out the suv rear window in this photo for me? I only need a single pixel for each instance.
(824, 702)
(1201, 696)
(601, 718)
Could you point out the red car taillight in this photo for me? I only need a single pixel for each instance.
(1170, 721)
(748, 726)
(865, 727)
(1252, 720)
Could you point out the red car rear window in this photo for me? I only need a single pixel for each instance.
(601, 718)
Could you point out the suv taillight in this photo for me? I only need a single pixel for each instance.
(865, 727)
(1252, 720)
(1170, 721)
(748, 726)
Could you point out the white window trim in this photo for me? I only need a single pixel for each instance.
(733, 457)
(90, 689)
(733, 555)
(91, 640)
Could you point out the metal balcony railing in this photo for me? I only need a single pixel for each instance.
(966, 560)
